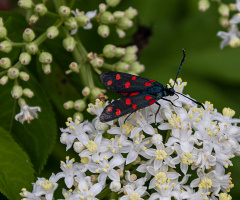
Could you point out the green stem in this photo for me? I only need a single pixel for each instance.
(71, 4)
(51, 14)
(18, 44)
(168, 135)
(104, 193)
(108, 66)
(3, 73)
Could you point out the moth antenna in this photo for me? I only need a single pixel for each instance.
(184, 56)
(192, 100)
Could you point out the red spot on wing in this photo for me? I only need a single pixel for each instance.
(127, 84)
(118, 111)
(109, 109)
(134, 78)
(118, 76)
(134, 93)
(134, 106)
(125, 93)
(128, 101)
(148, 97)
(148, 84)
(152, 102)
(152, 80)
(109, 82)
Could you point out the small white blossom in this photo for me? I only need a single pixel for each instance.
(27, 113)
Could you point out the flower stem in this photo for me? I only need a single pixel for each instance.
(104, 193)
(18, 44)
(168, 135)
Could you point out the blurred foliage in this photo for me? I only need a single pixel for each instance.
(212, 74)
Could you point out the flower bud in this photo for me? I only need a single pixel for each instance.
(78, 147)
(28, 93)
(130, 13)
(233, 7)
(45, 57)
(118, 14)
(120, 32)
(13, 73)
(40, 9)
(223, 9)
(131, 49)
(129, 58)
(74, 67)
(234, 43)
(52, 32)
(82, 20)
(107, 17)
(79, 116)
(86, 91)
(156, 139)
(3, 32)
(102, 126)
(122, 67)
(120, 52)
(112, 3)
(31, 48)
(124, 23)
(5, 63)
(28, 35)
(63, 11)
(102, 7)
(109, 50)
(224, 22)
(16, 91)
(3, 80)
(5, 46)
(24, 58)
(1, 21)
(68, 105)
(115, 186)
(97, 62)
(46, 68)
(25, 4)
(69, 43)
(203, 5)
(95, 92)
(24, 76)
(70, 23)
(33, 19)
(80, 105)
(103, 31)
(63, 138)
(137, 68)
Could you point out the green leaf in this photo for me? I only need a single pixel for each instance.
(16, 169)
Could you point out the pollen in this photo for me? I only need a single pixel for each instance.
(160, 177)
(92, 146)
(160, 154)
(228, 112)
(46, 185)
(187, 159)
(128, 127)
(205, 183)
(135, 196)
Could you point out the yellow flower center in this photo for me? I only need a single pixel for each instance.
(174, 120)
(46, 185)
(84, 160)
(160, 177)
(224, 196)
(234, 42)
(160, 154)
(91, 146)
(187, 159)
(134, 196)
(205, 183)
(228, 112)
(128, 127)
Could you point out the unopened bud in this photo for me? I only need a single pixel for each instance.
(63, 138)
(233, 7)
(28, 35)
(3, 80)
(80, 105)
(79, 116)
(69, 43)
(74, 67)
(1, 21)
(28, 93)
(33, 19)
(124, 23)
(5, 46)
(78, 147)
(46, 68)
(103, 31)
(5, 63)
(86, 91)
(130, 13)
(31, 48)
(122, 67)
(113, 3)
(13, 73)
(137, 68)
(63, 11)
(102, 7)
(68, 105)
(223, 9)
(16, 91)
(224, 22)
(25, 4)
(118, 14)
(45, 57)
(131, 49)
(120, 52)
(109, 50)
(24, 58)
(24, 76)
(3, 32)
(129, 58)
(70, 23)
(97, 62)
(82, 20)
(102, 126)
(40, 9)
(120, 32)
(115, 186)
(95, 92)
(107, 17)
(203, 5)
(52, 32)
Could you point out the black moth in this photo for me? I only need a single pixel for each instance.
(137, 92)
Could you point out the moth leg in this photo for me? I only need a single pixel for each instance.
(159, 105)
(171, 102)
(127, 117)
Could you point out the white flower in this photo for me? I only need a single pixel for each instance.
(29, 195)
(89, 14)
(70, 195)
(27, 113)
(134, 193)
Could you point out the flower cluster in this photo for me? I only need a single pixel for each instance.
(181, 154)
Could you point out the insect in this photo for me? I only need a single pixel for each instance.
(137, 92)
